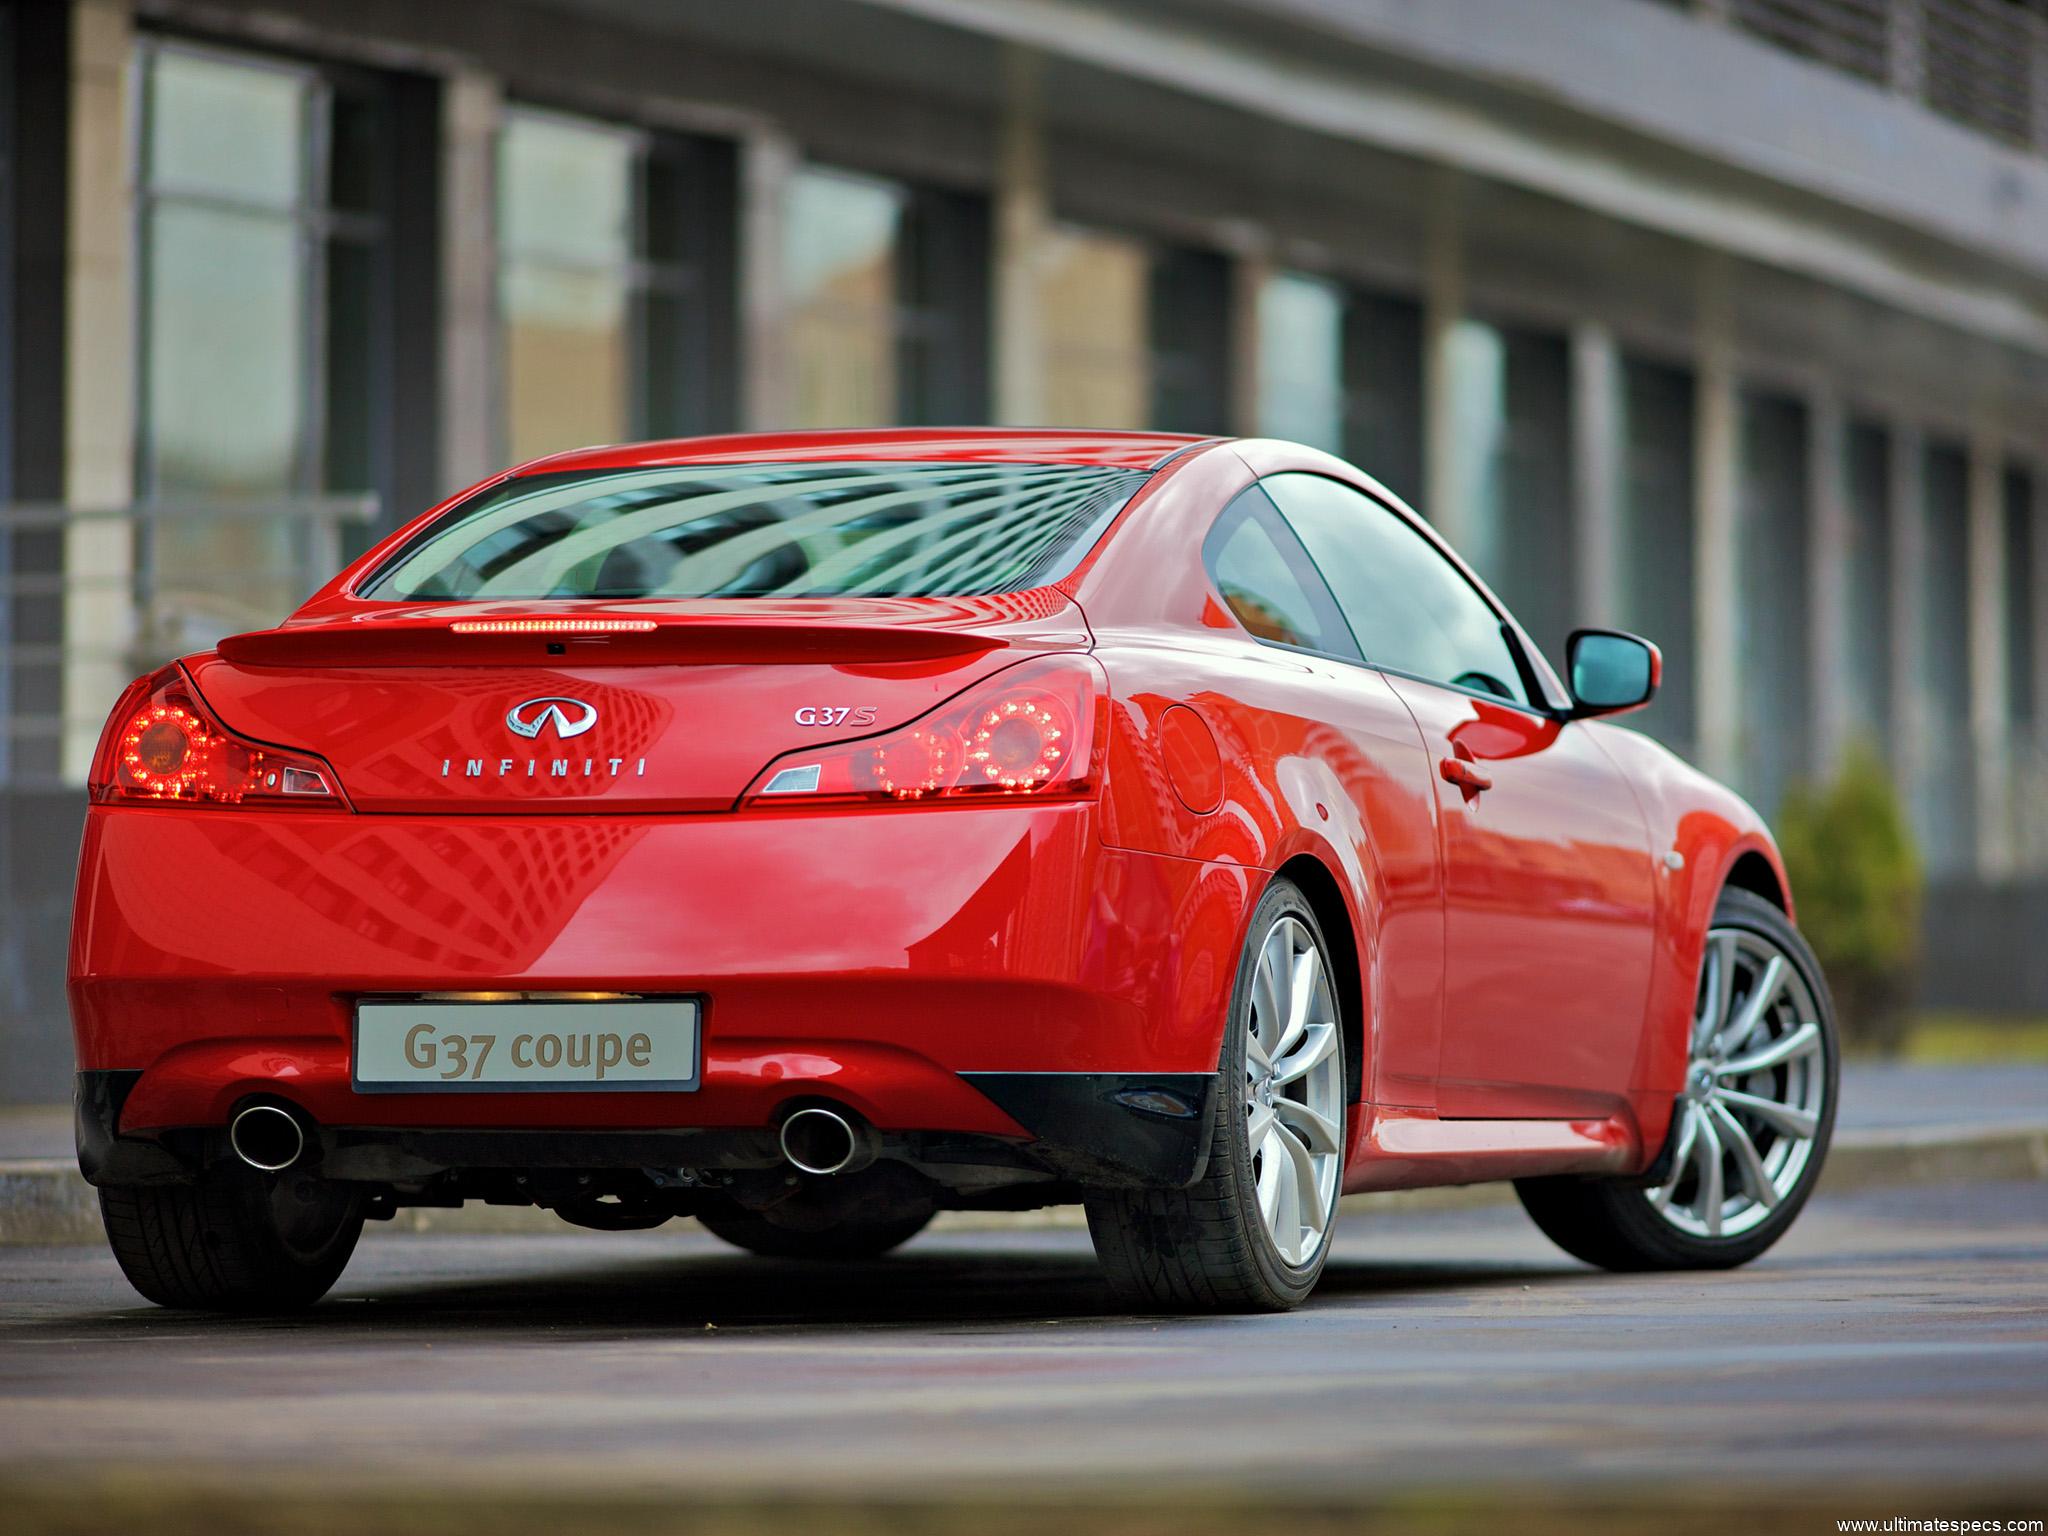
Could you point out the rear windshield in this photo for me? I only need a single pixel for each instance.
(765, 530)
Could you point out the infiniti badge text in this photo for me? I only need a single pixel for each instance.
(557, 768)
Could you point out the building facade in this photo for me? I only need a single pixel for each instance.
(1721, 320)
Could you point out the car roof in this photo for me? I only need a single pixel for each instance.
(967, 445)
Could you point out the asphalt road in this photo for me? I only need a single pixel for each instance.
(1894, 1339)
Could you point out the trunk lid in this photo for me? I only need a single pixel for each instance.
(678, 712)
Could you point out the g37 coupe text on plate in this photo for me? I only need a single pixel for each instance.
(810, 833)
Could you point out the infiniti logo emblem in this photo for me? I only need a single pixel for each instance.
(572, 717)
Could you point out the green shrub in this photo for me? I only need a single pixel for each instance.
(1856, 882)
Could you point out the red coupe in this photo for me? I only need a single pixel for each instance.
(809, 833)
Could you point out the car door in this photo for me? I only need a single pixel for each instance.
(1339, 723)
(1549, 919)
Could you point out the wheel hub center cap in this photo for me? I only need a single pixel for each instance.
(1703, 1081)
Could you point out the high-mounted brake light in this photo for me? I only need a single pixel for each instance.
(162, 745)
(551, 626)
(1033, 729)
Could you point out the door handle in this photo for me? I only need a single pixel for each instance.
(1455, 770)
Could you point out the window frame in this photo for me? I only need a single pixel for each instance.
(943, 337)
(938, 310)
(1186, 348)
(316, 222)
(1356, 656)
(702, 278)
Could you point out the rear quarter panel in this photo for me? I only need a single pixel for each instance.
(1264, 777)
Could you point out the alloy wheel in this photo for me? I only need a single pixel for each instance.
(1294, 1092)
(1755, 1090)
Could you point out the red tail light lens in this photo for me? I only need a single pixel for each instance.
(163, 746)
(1031, 730)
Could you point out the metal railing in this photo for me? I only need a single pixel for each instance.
(1851, 35)
(90, 597)
(1982, 63)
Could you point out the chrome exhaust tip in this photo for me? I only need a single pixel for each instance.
(823, 1141)
(266, 1137)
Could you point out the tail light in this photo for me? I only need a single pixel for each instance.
(1032, 730)
(162, 746)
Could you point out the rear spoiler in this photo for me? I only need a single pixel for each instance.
(489, 635)
(684, 642)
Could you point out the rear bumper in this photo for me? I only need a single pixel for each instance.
(1148, 1130)
(913, 965)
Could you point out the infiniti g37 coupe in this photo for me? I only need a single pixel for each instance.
(810, 833)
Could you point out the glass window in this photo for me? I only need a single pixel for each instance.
(1410, 609)
(261, 257)
(944, 297)
(1269, 582)
(228, 126)
(1190, 302)
(1655, 539)
(2020, 613)
(1383, 391)
(1096, 313)
(565, 233)
(1301, 361)
(765, 530)
(226, 353)
(1771, 608)
(888, 295)
(1511, 403)
(1945, 808)
(1135, 336)
(1867, 595)
(227, 287)
(614, 282)
(1341, 369)
(840, 258)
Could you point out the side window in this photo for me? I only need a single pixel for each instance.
(1411, 609)
(1269, 581)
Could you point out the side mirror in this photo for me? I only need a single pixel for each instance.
(1610, 672)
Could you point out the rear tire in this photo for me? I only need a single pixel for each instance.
(843, 1240)
(234, 1240)
(1214, 1247)
(1714, 1211)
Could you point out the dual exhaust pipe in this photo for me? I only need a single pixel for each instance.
(814, 1140)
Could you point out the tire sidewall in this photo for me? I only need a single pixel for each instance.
(1283, 898)
(297, 1270)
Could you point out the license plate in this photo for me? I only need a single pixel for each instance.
(498, 1047)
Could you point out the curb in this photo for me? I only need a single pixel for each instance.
(43, 1201)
